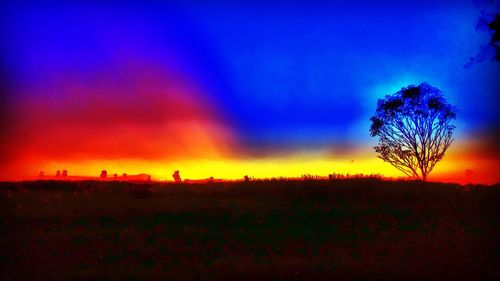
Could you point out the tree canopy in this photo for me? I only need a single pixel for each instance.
(414, 129)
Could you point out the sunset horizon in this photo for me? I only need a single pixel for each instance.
(249, 140)
(193, 87)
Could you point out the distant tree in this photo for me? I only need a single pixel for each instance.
(494, 26)
(489, 22)
(414, 129)
(64, 173)
(176, 176)
(104, 174)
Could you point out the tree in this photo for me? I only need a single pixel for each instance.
(176, 176)
(489, 22)
(414, 129)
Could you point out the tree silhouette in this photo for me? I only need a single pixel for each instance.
(414, 129)
(489, 22)
(176, 176)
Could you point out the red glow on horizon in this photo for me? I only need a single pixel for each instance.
(155, 115)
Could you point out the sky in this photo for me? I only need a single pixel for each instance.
(267, 88)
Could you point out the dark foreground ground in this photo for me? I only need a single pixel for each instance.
(359, 229)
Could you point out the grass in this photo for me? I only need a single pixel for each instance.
(356, 229)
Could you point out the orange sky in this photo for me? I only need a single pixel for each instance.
(220, 164)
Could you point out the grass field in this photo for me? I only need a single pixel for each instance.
(358, 229)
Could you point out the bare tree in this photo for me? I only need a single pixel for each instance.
(414, 129)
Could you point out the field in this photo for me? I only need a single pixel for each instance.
(353, 229)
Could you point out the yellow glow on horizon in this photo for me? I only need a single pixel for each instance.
(227, 169)
(455, 167)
